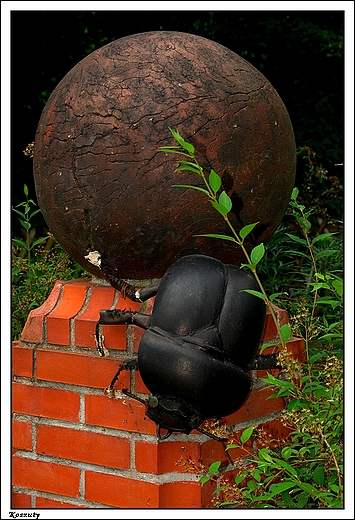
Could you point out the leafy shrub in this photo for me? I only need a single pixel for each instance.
(35, 267)
(304, 470)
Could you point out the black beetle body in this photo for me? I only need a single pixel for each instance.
(199, 344)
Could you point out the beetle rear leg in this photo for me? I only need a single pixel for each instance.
(219, 439)
(130, 364)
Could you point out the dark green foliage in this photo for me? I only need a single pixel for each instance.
(304, 470)
(33, 281)
(35, 267)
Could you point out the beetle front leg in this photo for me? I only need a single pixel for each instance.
(136, 295)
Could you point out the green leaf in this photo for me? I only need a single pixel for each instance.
(239, 478)
(326, 253)
(231, 446)
(245, 436)
(326, 301)
(225, 201)
(321, 392)
(227, 503)
(318, 475)
(285, 332)
(334, 503)
(39, 241)
(256, 475)
(221, 209)
(249, 266)
(187, 146)
(330, 336)
(191, 188)
(322, 238)
(214, 467)
(286, 499)
(254, 293)
(275, 489)
(185, 167)
(174, 149)
(276, 295)
(27, 208)
(315, 357)
(25, 190)
(264, 453)
(267, 345)
(247, 229)
(285, 465)
(251, 485)
(34, 213)
(310, 489)
(192, 164)
(301, 499)
(213, 235)
(277, 383)
(297, 239)
(296, 404)
(294, 193)
(25, 224)
(19, 212)
(204, 479)
(215, 181)
(338, 286)
(257, 253)
(20, 242)
(286, 452)
(319, 285)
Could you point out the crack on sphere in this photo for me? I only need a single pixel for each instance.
(102, 127)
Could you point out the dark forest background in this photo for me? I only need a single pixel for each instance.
(300, 52)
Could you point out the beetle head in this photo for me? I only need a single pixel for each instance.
(172, 414)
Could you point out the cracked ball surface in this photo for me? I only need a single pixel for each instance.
(102, 184)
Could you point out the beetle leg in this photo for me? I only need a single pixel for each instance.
(136, 295)
(149, 290)
(163, 436)
(267, 361)
(120, 317)
(133, 396)
(99, 340)
(219, 439)
(130, 364)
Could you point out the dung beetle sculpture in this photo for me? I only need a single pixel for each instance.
(200, 342)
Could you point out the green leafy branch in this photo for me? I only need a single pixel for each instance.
(222, 203)
(308, 471)
(26, 215)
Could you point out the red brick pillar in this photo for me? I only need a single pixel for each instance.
(73, 447)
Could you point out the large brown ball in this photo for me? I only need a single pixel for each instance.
(103, 185)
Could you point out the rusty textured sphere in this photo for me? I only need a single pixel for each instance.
(102, 183)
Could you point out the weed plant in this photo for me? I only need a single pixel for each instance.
(305, 469)
(37, 263)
